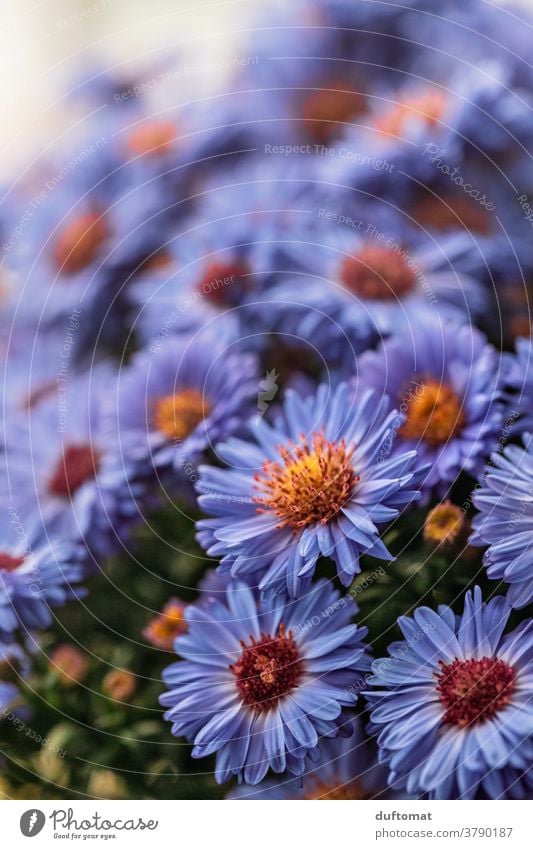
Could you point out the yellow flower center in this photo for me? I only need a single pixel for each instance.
(444, 524)
(308, 484)
(176, 416)
(434, 414)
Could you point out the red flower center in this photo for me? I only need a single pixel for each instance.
(449, 212)
(79, 241)
(79, 463)
(267, 669)
(324, 111)
(220, 279)
(378, 273)
(308, 485)
(8, 563)
(474, 690)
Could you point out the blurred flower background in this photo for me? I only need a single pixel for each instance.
(265, 343)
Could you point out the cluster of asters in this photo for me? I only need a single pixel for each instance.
(297, 307)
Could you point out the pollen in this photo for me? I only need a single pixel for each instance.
(268, 669)
(176, 416)
(309, 484)
(324, 111)
(472, 691)
(79, 242)
(78, 464)
(426, 108)
(378, 273)
(152, 138)
(434, 414)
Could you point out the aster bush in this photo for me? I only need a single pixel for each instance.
(266, 511)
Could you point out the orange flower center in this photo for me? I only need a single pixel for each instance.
(308, 484)
(176, 416)
(323, 112)
(78, 243)
(434, 414)
(152, 138)
(427, 108)
(444, 524)
(378, 273)
(337, 790)
(169, 624)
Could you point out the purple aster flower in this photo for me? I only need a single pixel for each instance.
(33, 364)
(520, 378)
(221, 266)
(61, 472)
(176, 400)
(63, 260)
(359, 274)
(14, 665)
(505, 520)
(318, 483)
(448, 382)
(345, 768)
(453, 706)
(34, 580)
(278, 676)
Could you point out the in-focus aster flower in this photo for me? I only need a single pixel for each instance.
(61, 472)
(277, 676)
(505, 520)
(35, 580)
(448, 381)
(453, 708)
(346, 768)
(316, 484)
(178, 399)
